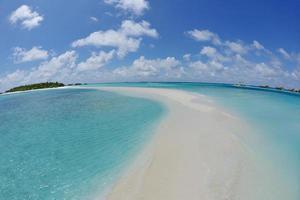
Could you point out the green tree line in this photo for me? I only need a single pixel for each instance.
(36, 86)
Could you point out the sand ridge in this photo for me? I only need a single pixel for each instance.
(194, 153)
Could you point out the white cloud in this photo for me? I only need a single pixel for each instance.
(136, 7)
(265, 70)
(232, 47)
(94, 19)
(21, 55)
(289, 57)
(96, 61)
(142, 67)
(214, 54)
(12, 79)
(204, 36)
(26, 17)
(110, 38)
(238, 70)
(187, 57)
(284, 53)
(225, 61)
(257, 45)
(210, 68)
(259, 48)
(235, 61)
(131, 28)
(236, 47)
(296, 74)
(208, 51)
(58, 68)
(126, 39)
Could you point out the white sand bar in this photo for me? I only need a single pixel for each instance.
(195, 154)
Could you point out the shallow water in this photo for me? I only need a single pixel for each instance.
(275, 119)
(40, 132)
(70, 143)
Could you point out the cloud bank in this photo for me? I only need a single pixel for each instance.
(21, 55)
(126, 39)
(216, 60)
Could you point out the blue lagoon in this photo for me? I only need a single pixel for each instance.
(76, 143)
(68, 144)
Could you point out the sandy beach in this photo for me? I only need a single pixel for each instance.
(195, 153)
(199, 150)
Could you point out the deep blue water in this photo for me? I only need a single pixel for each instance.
(68, 144)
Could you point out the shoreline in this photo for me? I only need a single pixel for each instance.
(198, 150)
(28, 91)
(188, 157)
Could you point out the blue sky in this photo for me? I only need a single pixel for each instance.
(256, 42)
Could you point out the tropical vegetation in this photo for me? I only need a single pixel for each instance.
(36, 86)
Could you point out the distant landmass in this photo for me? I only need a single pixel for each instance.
(57, 84)
(293, 90)
(36, 86)
(281, 88)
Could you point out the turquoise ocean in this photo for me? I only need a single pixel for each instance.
(73, 143)
(69, 144)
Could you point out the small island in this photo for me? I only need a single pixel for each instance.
(36, 86)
